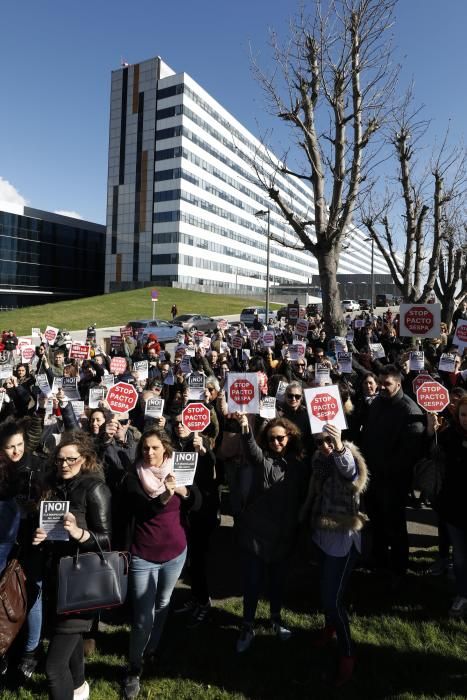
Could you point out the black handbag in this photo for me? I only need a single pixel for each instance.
(92, 581)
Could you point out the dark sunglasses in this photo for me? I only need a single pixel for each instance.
(124, 421)
(320, 441)
(294, 396)
(277, 438)
(178, 422)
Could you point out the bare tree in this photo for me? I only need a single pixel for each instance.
(423, 205)
(451, 285)
(331, 84)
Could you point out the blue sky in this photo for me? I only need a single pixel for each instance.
(57, 56)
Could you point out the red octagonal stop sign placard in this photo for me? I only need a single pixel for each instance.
(122, 397)
(419, 380)
(420, 320)
(196, 417)
(433, 397)
(324, 407)
(242, 391)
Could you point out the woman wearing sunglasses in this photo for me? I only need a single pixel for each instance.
(77, 477)
(266, 528)
(339, 476)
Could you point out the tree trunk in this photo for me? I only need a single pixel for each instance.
(332, 309)
(448, 306)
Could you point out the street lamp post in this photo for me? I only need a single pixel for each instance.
(372, 270)
(260, 214)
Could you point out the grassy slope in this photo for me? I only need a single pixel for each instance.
(120, 307)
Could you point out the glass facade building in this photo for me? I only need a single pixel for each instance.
(183, 194)
(47, 257)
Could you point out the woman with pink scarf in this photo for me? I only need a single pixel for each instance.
(158, 547)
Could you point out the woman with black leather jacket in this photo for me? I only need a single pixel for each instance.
(76, 477)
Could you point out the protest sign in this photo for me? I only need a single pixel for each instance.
(460, 335)
(205, 343)
(322, 372)
(70, 388)
(268, 339)
(254, 335)
(42, 381)
(118, 365)
(301, 327)
(340, 344)
(2, 396)
(377, 351)
(237, 342)
(184, 467)
(57, 384)
(49, 407)
(268, 407)
(433, 397)
(116, 342)
(422, 320)
(51, 519)
(96, 394)
(344, 360)
(126, 331)
(416, 360)
(185, 365)
(242, 392)
(222, 324)
(324, 405)
(79, 352)
(78, 408)
(108, 380)
(281, 389)
(6, 371)
(419, 380)
(350, 336)
(190, 351)
(196, 417)
(447, 362)
(359, 323)
(196, 383)
(142, 369)
(36, 332)
(154, 407)
(51, 334)
(27, 353)
(122, 397)
(297, 350)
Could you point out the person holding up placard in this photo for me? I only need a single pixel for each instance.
(267, 526)
(339, 476)
(77, 478)
(158, 547)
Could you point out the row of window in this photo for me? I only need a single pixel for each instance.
(227, 143)
(258, 244)
(178, 237)
(224, 122)
(174, 131)
(166, 280)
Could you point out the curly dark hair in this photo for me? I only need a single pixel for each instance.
(161, 435)
(294, 444)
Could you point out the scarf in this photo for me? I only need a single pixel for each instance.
(152, 478)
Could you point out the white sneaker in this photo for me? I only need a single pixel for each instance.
(281, 632)
(458, 607)
(82, 693)
(245, 639)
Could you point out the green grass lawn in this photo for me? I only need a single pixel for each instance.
(120, 307)
(407, 646)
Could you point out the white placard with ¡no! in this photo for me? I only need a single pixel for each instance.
(324, 405)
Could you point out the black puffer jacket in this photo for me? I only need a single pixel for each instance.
(452, 451)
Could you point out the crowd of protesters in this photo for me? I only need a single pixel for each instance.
(115, 470)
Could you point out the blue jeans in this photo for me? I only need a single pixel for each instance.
(151, 587)
(334, 574)
(254, 570)
(34, 618)
(458, 539)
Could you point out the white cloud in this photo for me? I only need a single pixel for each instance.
(9, 193)
(72, 214)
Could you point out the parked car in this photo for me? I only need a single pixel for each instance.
(350, 305)
(283, 312)
(365, 304)
(164, 330)
(385, 300)
(247, 316)
(195, 322)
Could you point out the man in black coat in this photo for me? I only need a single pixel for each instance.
(391, 443)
